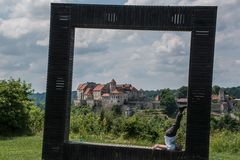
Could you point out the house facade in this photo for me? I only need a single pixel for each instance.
(107, 94)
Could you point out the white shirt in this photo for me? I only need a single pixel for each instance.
(170, 142)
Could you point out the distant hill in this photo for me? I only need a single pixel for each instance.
(151, 94)
(233, 91)
(39, 98)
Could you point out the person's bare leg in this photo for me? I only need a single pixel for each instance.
(172, 131)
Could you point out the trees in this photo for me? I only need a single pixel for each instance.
(215, 89)
(233, 91)
(16, 109)
(182, 92)
(168, 101)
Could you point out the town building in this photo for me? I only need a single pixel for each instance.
(107, 94)
(182, 102)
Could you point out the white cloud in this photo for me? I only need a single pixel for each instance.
(135, 56)
(143, 2)
(17, 27)
(168, 43)
(43, 42)
(31, 8)
(132, 38)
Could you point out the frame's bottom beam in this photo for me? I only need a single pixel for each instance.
(87, 151)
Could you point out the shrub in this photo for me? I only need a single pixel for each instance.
(36, 117)
(77, 126)
(16, 109)
(225, 122)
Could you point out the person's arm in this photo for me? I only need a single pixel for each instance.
(160, 146)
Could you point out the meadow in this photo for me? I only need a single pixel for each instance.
(223, 146)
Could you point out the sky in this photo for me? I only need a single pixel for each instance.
(146, 59)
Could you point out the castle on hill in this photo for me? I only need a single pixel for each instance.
(107, 94)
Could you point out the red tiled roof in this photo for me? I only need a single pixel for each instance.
(82, 86)
(99, 87)
(117, 91)
(88, 91)
(79, 86)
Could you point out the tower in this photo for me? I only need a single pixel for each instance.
(112, 85)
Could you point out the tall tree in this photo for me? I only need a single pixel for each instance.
(168, 101)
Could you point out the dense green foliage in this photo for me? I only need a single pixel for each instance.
(182, 92)
(143, 128)
(110, 123)
(225, 123)
(17, 112)
(110, 126)
(116, 110)
(168, 101)
(234, 91)
(215, 89)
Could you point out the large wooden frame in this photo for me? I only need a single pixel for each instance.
(200, 21)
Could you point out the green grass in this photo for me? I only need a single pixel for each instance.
(29, 148)
(109, 139)
(20, 148)
(225, 142)
(224, 156)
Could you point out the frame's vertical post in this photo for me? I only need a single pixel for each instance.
(59, 83)
(200, 83)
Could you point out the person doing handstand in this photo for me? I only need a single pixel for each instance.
(170, 136)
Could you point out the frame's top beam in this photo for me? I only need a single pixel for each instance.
(172, 18)
(116, 5)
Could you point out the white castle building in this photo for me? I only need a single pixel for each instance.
(111, 93)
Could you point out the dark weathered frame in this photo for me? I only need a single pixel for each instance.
(200, 21)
